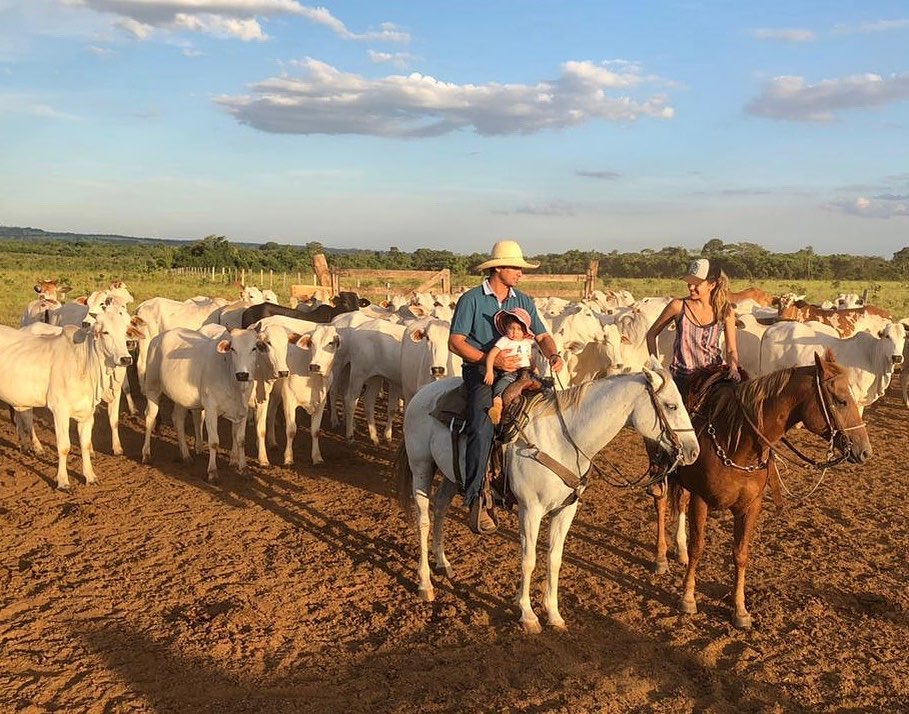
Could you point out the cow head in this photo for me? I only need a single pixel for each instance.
(271, 343)
(243, 349)
(433, 335)
(110, 333)
(323, 344)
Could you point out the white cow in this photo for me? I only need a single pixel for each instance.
(373, 353)
(868, 360)
(311, 363)
(160, 314)
(199, 372)
(65, 373)
(425, 356)
(599, 358)
(115, 380)
(51, 295)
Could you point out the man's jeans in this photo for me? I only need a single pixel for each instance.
(479, 430)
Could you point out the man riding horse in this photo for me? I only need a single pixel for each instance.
(472, 336)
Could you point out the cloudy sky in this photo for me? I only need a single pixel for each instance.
(590, 125)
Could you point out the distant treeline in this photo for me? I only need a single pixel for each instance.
(740, 260)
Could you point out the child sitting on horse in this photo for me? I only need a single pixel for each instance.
(517, 338)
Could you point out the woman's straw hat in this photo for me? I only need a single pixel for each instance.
(506, 254)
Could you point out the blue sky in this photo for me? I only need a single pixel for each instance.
(589, 125)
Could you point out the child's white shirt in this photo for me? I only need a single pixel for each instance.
(518, 348)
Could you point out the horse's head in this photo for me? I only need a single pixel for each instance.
(833, 413)
(663, 421)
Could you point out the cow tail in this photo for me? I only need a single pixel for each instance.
(404, 478)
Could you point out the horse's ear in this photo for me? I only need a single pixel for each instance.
(652, 376)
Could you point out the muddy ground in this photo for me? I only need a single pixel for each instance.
(293, 589)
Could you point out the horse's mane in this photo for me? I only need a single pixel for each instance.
(572, 396)
(568, 398)
(727, 401)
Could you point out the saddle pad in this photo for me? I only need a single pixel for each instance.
(451, 405)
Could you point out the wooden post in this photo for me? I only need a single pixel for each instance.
(322, 273)
(243, 277)
(271, 278)
(590, 281)
(446, 281)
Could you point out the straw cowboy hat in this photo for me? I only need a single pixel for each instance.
(506, 254)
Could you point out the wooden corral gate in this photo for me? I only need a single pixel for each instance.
(331, 282)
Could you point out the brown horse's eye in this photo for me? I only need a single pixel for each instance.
(840, 402)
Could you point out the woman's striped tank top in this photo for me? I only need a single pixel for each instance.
(695, 345)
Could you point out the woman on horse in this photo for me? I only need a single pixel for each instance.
(701, 320)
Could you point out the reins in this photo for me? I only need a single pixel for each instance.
(579, 482)
(835, 429)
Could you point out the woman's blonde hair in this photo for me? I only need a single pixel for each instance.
(719, 298)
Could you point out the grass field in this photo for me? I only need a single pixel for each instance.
(17, 281)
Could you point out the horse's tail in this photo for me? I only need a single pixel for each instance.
(677, 494)
(404, 478)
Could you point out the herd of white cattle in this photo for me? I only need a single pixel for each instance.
(70, 356)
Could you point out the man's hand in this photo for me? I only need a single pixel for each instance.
(555, 363)
(507, 361)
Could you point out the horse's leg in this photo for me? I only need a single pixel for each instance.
(697, 517)
(442, 501)
(529, 518)
(681, 537)
(422, 482)
(559, 523)
(743, 530)
(661, 563)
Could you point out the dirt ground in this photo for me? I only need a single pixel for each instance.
(294, 589)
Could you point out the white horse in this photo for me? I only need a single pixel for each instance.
(592, 414)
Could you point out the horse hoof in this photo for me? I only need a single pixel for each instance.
(65, 487)
(444, 571)
(688, 608)
(558, 625)
(426, 594)
(661, 567)
(742, 622)
(532, 627)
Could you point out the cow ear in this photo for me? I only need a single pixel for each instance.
(417, 335)
(223, 346)
(82, 300)
(136, 321)
(293, 336)
(304, 342)
(739, 324)
(880, 333)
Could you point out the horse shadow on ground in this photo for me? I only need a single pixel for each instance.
(590, 666)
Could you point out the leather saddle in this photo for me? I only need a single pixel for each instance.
(451, 410)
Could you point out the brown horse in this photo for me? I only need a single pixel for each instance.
(738, 428)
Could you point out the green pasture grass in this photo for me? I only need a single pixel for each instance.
(19, 273)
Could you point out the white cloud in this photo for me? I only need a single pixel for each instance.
(553, 208)
(100, 51)
(326, 100)
(30, 105)
(783, 34)
(223, 18)
(877, 207)
(602, 175)
(792, 98)
(401, 60)
(872, 26)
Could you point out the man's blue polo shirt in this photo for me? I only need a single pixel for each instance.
(475, 309)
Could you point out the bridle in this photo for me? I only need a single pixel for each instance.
(668, 436)
(833, 430)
